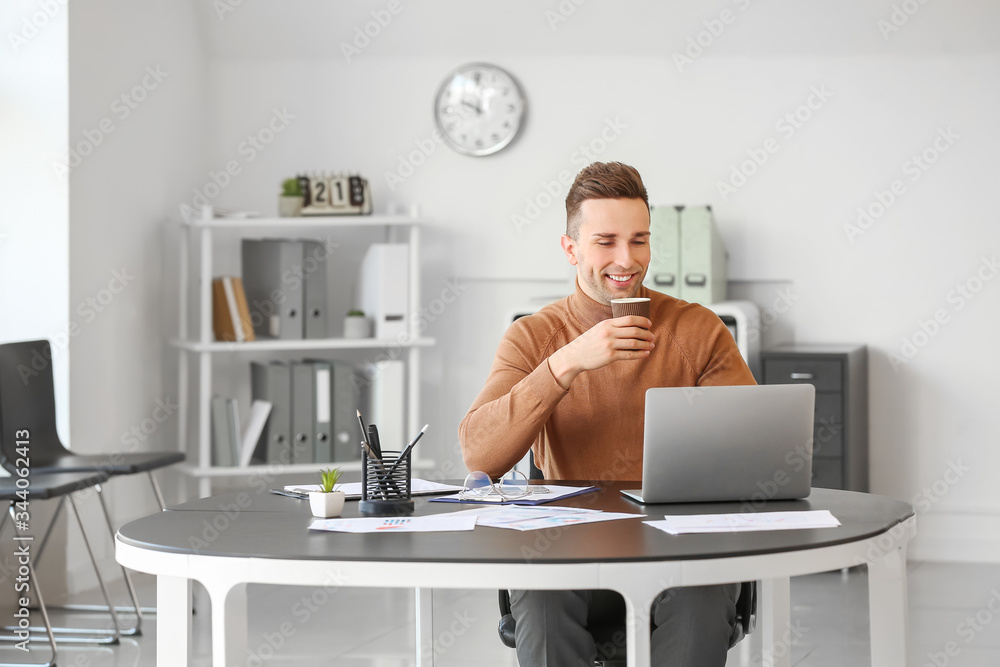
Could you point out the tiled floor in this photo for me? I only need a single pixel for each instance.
(949, 613)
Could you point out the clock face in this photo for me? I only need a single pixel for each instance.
(478, 109)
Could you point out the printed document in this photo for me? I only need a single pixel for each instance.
(537, 518)
(435, 523)
(751, 521)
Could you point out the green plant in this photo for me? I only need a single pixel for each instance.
(329, 479)
(355, 313)
(290, 188)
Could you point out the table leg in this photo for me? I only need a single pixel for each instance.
(173, 620)
(229, 624)
(774, 623)
(887, 606)
(424, 612)
(638, 603)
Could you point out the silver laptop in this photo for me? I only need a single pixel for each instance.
(749, 443)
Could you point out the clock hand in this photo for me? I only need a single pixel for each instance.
(474, 107)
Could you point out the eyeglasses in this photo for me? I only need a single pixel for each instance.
(512, 486)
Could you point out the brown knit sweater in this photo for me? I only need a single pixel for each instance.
(594, 430)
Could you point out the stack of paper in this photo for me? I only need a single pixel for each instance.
(418, 487)
(435, 523)
(732, 523)
(537, 518)
(514, 518)
(539, 495)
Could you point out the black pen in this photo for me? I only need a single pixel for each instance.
(290, 494)
(373, 440)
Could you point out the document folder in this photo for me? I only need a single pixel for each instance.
(664, 244)
(223, 438)
(388, 391)
(351, 392)
(384, 288)
(272, 382)
(314, 311)
(303, 412)
(322, 372)
(703, 257)
(272, 280)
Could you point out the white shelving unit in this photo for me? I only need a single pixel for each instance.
(201, 346)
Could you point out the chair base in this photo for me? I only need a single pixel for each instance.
(103, 609)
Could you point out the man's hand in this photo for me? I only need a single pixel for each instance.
(617, 339)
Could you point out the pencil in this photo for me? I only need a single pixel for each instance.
(364, 430)
(407, 449)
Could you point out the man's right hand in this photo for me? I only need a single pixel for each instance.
(618, 339)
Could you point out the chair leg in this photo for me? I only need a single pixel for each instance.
(33, 580)
(48, 531)
(135, 609)
(82, 635)
(97, 571)
(156, 491)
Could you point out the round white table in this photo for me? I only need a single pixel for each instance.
(226, 542)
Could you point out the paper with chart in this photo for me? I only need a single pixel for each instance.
(745, 522)
(539, 495)
(435, 523)
(517, 517)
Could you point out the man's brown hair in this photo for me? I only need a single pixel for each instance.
(602, 180)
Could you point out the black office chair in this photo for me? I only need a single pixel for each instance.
(44, 487)
(606, 619)
(27, 401)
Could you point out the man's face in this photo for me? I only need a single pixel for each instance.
(612, 253)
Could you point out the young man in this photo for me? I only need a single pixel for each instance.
(569, 383)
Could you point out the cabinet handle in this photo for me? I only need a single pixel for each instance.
(802, 376)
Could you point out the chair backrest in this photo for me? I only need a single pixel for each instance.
(27, 401)
(534, 472)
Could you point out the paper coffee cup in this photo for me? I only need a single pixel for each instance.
(638, 306)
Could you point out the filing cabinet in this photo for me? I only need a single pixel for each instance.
(840, 430)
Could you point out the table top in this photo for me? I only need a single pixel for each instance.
(257, 524)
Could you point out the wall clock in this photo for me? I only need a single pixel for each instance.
(479, 109)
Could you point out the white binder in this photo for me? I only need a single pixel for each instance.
(664, 270)
(703, 257)
(384, 288)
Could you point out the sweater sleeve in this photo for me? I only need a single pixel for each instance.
(511, 410)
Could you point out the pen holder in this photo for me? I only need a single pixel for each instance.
(385, 486)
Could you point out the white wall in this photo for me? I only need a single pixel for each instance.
(685, 128)
(146, 147)
(34, 284)
(34, 232)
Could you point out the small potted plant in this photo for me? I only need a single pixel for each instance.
(328, 501)
(356, 325)
(290, 201)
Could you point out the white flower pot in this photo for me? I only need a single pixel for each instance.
(326, 505)
(289, 207)
(357, 327)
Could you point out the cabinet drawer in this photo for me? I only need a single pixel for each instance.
(823, 374)
(829, 408)
(828, 440)
(828, 473)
